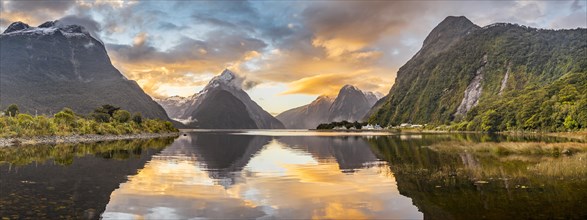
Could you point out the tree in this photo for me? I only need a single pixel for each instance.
(137, 117)
(357, 125)
(101, 117)
(570, 123)
(568, 94)
(107, 109)
(490, 121)
(12, 110)
(121, 116)
(348, 125)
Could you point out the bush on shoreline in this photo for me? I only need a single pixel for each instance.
(66, 122)
(342, 124)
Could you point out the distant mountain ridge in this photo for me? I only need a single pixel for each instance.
(191, 111)
(497, 77)
(44, 69)
(175, 106)
(350, 104)
(307, 116)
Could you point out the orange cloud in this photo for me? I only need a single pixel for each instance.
(330, 84)
(10, 17)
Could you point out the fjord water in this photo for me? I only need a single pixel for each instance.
(296, 174)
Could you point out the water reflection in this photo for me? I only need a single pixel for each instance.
(237, 174)
(460, 179)
(71, 181)
(244, 176)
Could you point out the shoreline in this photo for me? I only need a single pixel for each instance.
(577, 135)
(71, 139)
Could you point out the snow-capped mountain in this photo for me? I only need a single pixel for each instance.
(351, 104)
(47, 68)
(175, 106)
(211, 108)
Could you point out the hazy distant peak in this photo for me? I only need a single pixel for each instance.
(348, 87)
(377, 95)
(324, 97)
(174, 98)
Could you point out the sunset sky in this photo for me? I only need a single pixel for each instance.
(288, 51)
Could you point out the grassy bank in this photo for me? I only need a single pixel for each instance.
(106, 120)
(512, 148)
(518, 159)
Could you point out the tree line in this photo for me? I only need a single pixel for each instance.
(106, 119)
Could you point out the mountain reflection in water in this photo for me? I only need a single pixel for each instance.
(236, 176)
(273, 174)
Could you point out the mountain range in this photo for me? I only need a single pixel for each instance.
(222, 104)
(498, 77)
(46, 68)
(351, 104)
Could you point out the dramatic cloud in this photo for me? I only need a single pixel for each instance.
(34, 12)
(177, 65)
(305, 47)
(329, 84)
(92, 26)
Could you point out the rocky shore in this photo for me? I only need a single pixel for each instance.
(5, 142)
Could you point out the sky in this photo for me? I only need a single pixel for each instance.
(289, 52)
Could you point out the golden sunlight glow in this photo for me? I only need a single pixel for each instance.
(337, 47)
(330, 84)
(279, 182)
(20, 16)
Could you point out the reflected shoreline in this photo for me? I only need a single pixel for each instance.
(73, 139)
(223, 174)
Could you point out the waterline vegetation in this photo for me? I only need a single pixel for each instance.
(105, 120)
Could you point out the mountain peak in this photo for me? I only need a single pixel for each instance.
(49, 24)
(323, 97)
(348, 87)
(456, 20)
(226, 75)
(16, 26)
(446, 33)
(47, 28)
(377, 95)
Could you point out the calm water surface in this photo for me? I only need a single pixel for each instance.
(298, 174)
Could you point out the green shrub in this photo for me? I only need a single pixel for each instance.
(107, 109)
(66, 122)
(137, 118)
(101, 117)
(121, 116)
(25, 120)
(12, 110)
(65, 116)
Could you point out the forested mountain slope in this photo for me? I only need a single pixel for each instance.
(499, 77)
